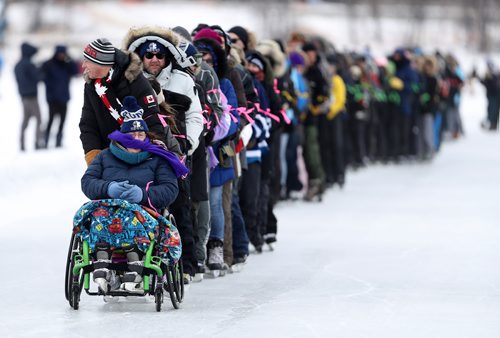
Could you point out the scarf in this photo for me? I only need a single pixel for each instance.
(125, 156)
(129, 142)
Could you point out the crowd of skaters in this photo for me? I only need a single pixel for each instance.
(243, 113)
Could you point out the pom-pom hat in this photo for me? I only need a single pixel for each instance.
(132, 116)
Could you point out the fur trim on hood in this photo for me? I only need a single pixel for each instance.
(271, 49)
(252, 41)
(137, 35)
(175, 44)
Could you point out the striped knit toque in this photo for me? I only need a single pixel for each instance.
(101, 52)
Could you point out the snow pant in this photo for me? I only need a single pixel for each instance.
(216, 214)
(240, 237)
(406, 134)
(56, 109)
(312, 155)
(181, 209)
(283, 161)
(325, 147)
(201, 222)
(31, 109)
(393, 131)
(453, 121)
(293, 182)
(438, 127)
(199, 197)
(227, 196)
(337, 142)
(493, 111)
(427, 128)
(264, 193)
(249, 196)
(358, 140)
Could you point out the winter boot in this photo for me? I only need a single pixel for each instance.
(131, 279)
(314, 189)
(102, 276)
(215, 254)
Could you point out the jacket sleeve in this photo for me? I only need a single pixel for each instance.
(93, 186)
(89, 130)
(339, 97)
(146, 98)
(164, 189)
(194, 118)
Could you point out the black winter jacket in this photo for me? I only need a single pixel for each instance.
(96, 122)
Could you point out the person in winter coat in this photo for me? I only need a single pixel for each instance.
(57, 73)
(27, 77)
(163, 59)
(110, 75)
(136, 169)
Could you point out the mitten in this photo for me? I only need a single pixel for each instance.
(115, 189)
(133, 194)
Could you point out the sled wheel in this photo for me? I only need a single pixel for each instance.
(170, 287)
(158, 298)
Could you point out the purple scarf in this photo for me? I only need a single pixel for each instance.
(129, 142)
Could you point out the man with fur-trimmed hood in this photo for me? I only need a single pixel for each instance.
(162, 57)
(110, 75)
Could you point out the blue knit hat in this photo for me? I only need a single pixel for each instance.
(152, 47)
(132, 116)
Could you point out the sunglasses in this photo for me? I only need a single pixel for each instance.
(149, 56)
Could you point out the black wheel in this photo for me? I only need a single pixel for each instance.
(170, 287)
(158, 298)
(75, 296)
(74, 249)
(69, 263)
(178, 280)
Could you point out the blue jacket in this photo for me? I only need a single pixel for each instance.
(27, 74)
(106, 168)
(57, 76)
(221, 175)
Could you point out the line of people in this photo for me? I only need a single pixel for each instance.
(242, 114)
(56, 73)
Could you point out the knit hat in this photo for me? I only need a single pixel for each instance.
(309, 46)
(296, 59)
(101, 52)
(242, 34)
(152, 47)
(253, 59)
(132, 116)
(209, 33)
(183, 32)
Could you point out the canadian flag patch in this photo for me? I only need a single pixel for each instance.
(149, 99)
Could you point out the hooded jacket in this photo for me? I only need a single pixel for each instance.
(27, 74)
(171, 78)
(96, 122)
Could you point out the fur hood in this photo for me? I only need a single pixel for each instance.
(271, 49)
(137, 35)
(126, 63)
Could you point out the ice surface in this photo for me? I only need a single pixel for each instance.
(403, 251)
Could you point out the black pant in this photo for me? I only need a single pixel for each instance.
(181, 209)
(249, 196)
(56, 109)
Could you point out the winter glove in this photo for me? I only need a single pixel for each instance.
(115, 189)
(133, 194)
